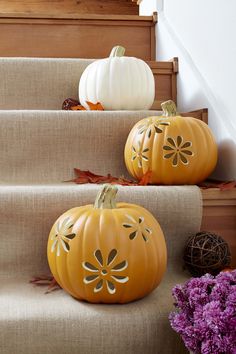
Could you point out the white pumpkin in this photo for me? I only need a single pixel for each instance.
(118, 83)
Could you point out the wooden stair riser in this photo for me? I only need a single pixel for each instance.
(219, 216)
(57, 7)
(165, 75)
(77, 37)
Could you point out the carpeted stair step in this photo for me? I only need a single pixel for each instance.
(45, 146)
(32, 322)
(34, 83)
(44, 83)
(29, 211)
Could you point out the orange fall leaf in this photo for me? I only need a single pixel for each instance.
(71, 104)
(95, 106)
(90, 177)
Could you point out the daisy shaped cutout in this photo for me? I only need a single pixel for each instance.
(105, 274)
(62, 237)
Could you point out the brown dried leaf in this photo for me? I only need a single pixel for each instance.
(46, 280)
(222, 185)
(78, 108)
(227, 186)
(90, 177)
(70, 104)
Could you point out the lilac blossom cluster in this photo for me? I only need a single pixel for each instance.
(205, 314)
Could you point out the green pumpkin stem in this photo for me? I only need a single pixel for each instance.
(117, 51)
(106, 197)
(169, 109)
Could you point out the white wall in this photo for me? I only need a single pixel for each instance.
(203, 35)
(147, 7)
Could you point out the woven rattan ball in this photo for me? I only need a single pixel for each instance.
(206, 252)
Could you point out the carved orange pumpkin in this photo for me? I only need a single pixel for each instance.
(106, 252)
(178, 150)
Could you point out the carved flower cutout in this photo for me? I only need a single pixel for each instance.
(178, 151)
(152, 124)
(105, 274)
(63, 236)
(137, 227)
(139, 154)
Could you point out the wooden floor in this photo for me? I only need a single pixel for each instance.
(219, 215)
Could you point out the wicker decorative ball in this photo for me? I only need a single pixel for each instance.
(206, 252)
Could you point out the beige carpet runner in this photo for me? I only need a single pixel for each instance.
(39, 150)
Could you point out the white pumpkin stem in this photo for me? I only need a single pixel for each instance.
(117, 51)
(106, 197)
(169, 109)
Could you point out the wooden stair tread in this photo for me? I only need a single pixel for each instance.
(216, 195)
(122, 7)
(77, 16)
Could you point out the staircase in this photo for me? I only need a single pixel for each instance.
(40, 145)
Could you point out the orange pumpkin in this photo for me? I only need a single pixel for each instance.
(178, 150)
(107, 253)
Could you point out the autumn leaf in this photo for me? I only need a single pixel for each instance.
(68, 103)
(90, 177)
(95, 106)
(145, 180)
(71, 104)
(227, 185)
(78, 108)
(222, 185)
(46, 280)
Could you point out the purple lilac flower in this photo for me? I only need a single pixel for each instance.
(205, 315)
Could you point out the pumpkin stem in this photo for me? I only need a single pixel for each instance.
(169, 109)
(106, 197)
(117, 51)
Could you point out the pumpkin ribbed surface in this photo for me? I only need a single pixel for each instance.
(118, 83)
(178, 150)
(107, 255)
